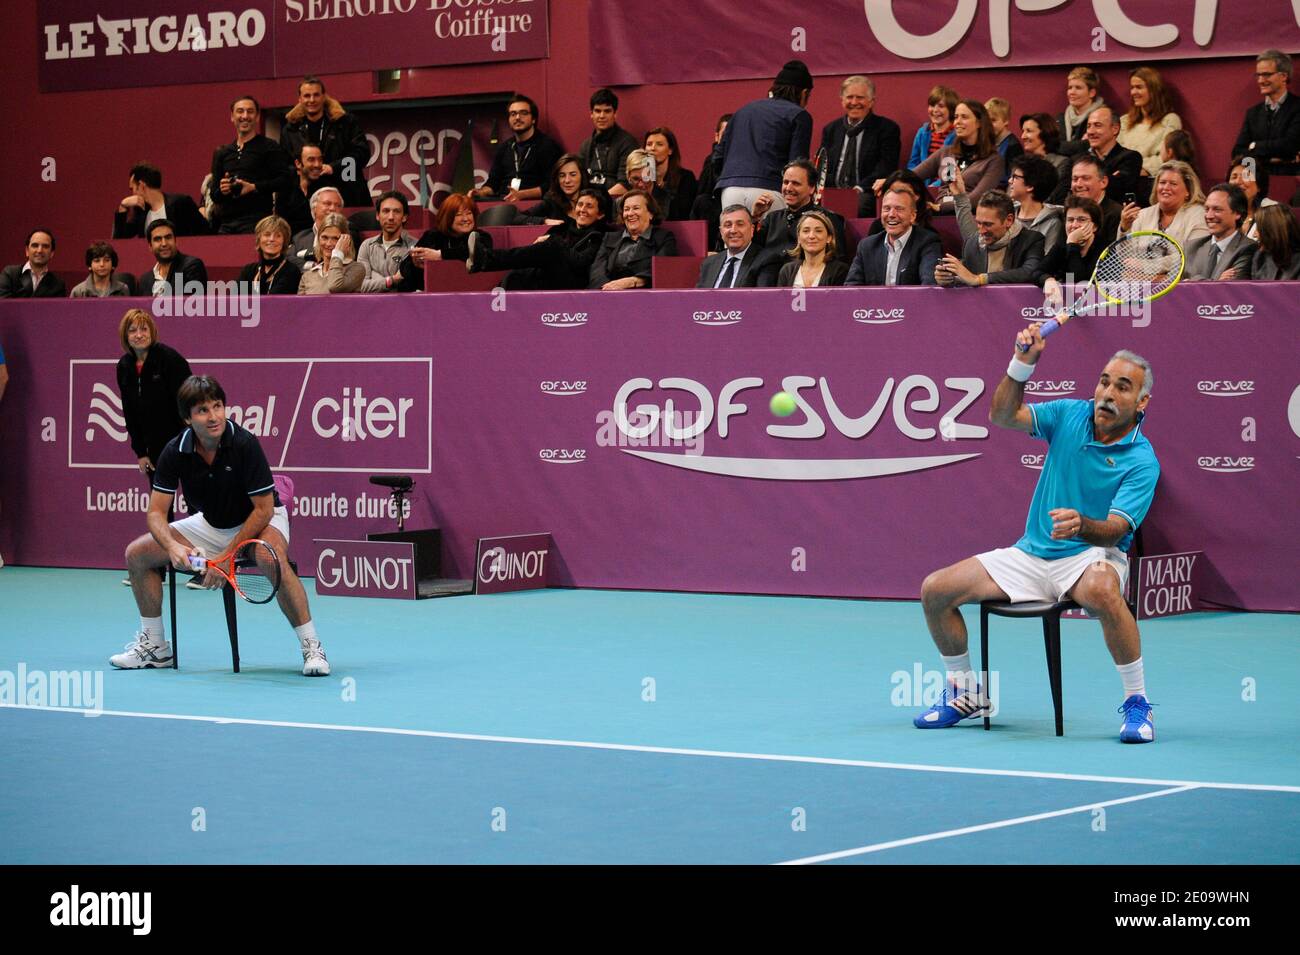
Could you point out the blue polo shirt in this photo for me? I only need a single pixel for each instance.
(1095, 479)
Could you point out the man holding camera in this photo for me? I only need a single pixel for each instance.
(247, 172)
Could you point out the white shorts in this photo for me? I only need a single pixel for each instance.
(215, 541)
(746, 195)
(1026, 577)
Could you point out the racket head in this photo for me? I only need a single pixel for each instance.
(255, 571)
(1139, 267)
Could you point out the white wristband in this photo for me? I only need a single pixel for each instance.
(1020, 371)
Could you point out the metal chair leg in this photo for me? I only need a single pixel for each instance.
(1052, 644)
(171, 602)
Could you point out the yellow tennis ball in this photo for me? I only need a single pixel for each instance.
(782, 404)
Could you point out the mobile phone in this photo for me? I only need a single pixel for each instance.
(1130, 198)
(948, 169)
(651, 174)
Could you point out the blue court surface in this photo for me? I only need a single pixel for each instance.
(567, 726)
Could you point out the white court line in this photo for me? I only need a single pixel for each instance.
(667, 750)
(967, 830)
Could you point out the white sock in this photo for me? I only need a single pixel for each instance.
(306, 632)
(153, 629)
(960, 671)
(1134, 681)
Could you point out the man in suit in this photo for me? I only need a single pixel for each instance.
(743, 263)
(174, 273)
(1004, 252)
(860, 146)
(1271, 129)
(777, 229)
(901, 254)
(1225, 253)
(33, 279)
(1122, 166)
(148, 202)
(1088, 180)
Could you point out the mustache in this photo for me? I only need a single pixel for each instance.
(1108, 406)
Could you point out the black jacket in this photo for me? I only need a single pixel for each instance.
(452, 247)
(916, 267)
(834, 274)
(1276, 135)
(1076, 266)
(341, 138)
(185, 268)
(180, 210)
(149, 398)
(563, 261)
(605, 156)
(1022, 265)
(265, 164)
(676, 203)
(536, 157)
(878, 152)
(777, 230)
(758, 268)
(283, 282)
(609, 264)
(1124, 167)
(15, 283)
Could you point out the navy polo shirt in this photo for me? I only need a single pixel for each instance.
(221, 491)
(1081, 473)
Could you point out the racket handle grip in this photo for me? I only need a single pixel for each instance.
(1046, 329)
(198, 563)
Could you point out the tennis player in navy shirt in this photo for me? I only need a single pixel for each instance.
(231, 496)
(1095, 488)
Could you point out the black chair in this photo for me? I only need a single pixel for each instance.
(1050, 613)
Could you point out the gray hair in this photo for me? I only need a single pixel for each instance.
(1282, 62)
(737, 207)
(315, 197)
(1148, 377)
(856, 79)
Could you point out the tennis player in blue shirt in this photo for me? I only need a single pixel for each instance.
(1094, 490)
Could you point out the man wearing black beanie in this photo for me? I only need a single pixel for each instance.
(765, 135)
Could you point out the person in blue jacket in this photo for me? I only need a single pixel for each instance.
(765, 135)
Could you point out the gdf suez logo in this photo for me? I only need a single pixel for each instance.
(1225, 389)
(564, 387)
(1225, 465)
(564, 319)
(1038, 311)
(713, 317)
(1050, 389)
(879, 316)
(1033, 461)
(563, 455)
(1225, 313)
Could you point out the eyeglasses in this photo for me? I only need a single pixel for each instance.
(1264, 76)
(520, 112)
(1015, 175)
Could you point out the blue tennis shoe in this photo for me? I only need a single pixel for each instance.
(1138, 725)
(954, 706)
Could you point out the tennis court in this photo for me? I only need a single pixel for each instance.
(581, 726)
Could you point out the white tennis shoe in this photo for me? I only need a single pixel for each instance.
(313, 659)
(143, 654)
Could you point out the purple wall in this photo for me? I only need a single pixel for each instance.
(500, 406)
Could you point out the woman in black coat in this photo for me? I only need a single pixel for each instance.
(626, 256)
(560, 259)
(455, 236)
(274, 272)
(148, 377)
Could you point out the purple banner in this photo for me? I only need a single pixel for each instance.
(347, 568)
(1168, 584)
(101, 44)
(898, 36)
(518, 562)
(635, 428)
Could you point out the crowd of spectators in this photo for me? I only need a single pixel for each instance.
(1030, 207)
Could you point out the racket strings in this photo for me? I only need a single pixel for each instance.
(257, 571)
(1138, 268)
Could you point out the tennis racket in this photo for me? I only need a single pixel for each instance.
(252, 568)
(1140, 267)
(823, 168)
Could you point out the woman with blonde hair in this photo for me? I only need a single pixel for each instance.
(274, 272)
(1081, 98)
(814, 260)
(335, 267)
(1150, 118)
(1177, 206)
